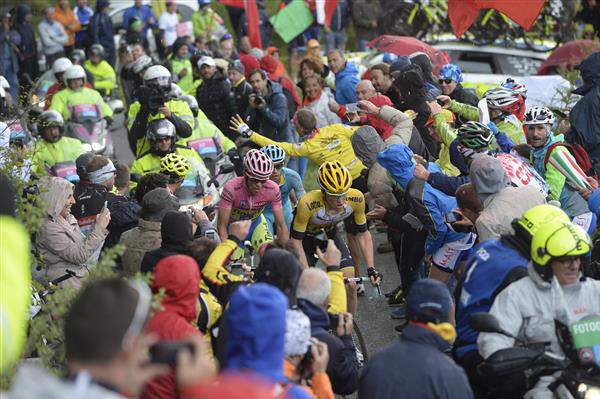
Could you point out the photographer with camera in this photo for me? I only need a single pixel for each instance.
(267, 111)
(305, 357)
(156, 103)
(314, 291)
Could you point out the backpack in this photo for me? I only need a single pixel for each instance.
(579, 153)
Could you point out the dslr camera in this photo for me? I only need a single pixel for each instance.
(152, 98)
(259, 99)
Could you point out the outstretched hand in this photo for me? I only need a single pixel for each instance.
(238, 124)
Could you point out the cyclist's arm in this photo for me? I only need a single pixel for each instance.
(465, 110)
(298, 188)
(299, 225)
(364, 236)
(294, 150)
(280, 226)
(223, 221)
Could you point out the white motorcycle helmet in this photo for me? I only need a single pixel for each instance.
(61, 65)
(176, 91)
(159, 77)
(74, 72)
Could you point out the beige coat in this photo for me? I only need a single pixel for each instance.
(60, 241)
(139, 240)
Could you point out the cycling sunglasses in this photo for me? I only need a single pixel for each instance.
(447, 81)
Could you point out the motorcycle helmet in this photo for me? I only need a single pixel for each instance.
(274, 152)
(192, 103)
(48, 119)
(60, 65)
(77, 56)
(175, 92)
(159, 77)
(141, 64)
(97, 50)
(531, 221)
(537, 115)
(175, 166)
(554, 240)
(475, 135)
(258, 165)
(74, 72)
(157, 129)
(334, 178)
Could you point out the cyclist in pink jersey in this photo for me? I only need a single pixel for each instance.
(245, 197)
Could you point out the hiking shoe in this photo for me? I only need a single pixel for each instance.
(393, 292)
(397, 300)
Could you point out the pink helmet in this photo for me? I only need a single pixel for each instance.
(258, 165)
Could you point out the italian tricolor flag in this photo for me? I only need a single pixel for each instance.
(564, 162)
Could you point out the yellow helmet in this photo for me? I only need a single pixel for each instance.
(174, 165)
(558, 239)
(334, 178)
(540, 215)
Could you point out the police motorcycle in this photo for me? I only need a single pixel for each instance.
(579, 369)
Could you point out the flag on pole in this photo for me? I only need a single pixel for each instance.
(253, 23)
(292, 20)
(564, 162)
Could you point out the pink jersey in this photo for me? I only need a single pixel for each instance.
(245, 206)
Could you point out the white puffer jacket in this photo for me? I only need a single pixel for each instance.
(527, 309)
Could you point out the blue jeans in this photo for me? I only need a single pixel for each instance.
(336, 40)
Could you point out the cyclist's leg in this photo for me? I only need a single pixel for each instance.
(347, 267)
(261, 234)
(240, 251)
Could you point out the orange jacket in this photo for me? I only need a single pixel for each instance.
(68, 21)
(321, 386)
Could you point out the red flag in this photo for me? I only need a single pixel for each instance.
(464, 12)
(253, 21)
(329, 10)
(234, 3)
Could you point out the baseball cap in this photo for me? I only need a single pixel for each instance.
(206, 60)
(428, 301)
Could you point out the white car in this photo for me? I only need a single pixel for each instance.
(484, 67)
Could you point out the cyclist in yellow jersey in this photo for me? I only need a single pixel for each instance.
(330, 143)
(321, 211)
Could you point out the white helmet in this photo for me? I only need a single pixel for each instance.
(192, 102)
(176, 91)
(74, 72)
(537, 115)
(61, 65)
(141, 63)
(159, 77)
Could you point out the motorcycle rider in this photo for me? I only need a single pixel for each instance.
(495, 264)
(554, 289)
(74, 95)
(103, 74)
(155, 103)
(161, 136)
(58, 68)
(53, 146)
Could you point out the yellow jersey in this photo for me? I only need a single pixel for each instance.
(312, 216)
(329, 143)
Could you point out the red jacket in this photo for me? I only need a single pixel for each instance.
(383, 128)
(179, 275)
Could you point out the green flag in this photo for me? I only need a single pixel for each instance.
(292, 20)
